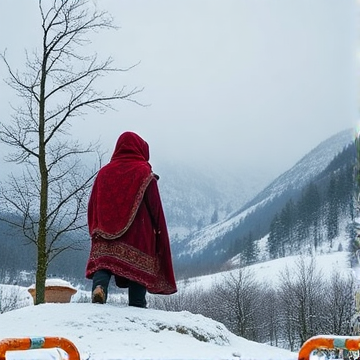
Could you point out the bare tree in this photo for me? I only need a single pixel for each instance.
(175, 302)
(58, 86)
(238, 294)
(10, 298)
(269, 315)
(339, 305)
(302, 295)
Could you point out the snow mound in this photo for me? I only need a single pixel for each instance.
(108, 332)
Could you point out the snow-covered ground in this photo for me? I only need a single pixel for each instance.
(270, 271)
(109, 332)
(104, 332)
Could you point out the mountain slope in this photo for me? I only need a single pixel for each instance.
(196, 195)
(210, 246)
(307, 168)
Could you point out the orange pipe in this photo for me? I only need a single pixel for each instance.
(351, 343)
(39, 343)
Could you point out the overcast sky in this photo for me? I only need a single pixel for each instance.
(230, 81)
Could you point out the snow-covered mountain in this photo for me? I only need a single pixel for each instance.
(196, 195)
(211, 240)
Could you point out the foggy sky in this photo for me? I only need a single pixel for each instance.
(237, 82)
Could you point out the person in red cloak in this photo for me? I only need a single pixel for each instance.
(129, 236)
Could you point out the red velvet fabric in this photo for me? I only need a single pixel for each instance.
(127, 225)
(119, 187)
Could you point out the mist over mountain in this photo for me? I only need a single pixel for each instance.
(195, 196)
(308, 167)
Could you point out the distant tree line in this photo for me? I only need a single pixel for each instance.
(303, 304)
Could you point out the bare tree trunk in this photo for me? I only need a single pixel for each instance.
(43, 211)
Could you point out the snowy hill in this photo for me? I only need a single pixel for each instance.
(107, 332)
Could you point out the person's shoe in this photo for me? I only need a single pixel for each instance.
(98, 295)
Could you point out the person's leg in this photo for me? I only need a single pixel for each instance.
(137, 294)
(100, 285)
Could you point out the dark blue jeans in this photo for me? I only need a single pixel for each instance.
(136, 292)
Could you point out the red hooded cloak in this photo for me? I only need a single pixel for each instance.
(126, 221)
